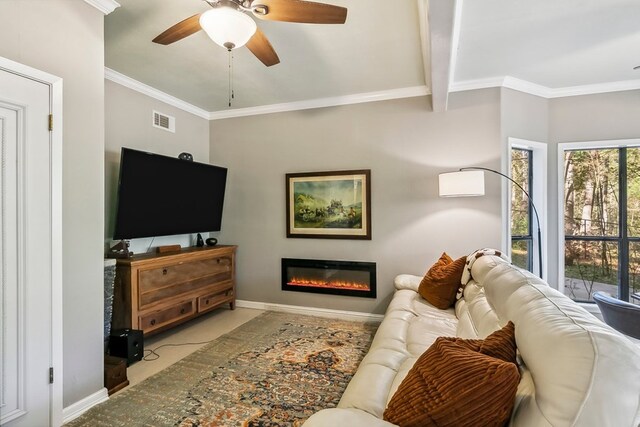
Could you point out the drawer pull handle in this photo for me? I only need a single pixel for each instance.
(153, 322)
(164, 271)
(206, 301)
(182, 310)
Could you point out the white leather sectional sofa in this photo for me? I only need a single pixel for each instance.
(575, 370)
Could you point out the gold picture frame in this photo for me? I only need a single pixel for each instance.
(329, 205)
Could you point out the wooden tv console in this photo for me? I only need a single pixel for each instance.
(154, 292)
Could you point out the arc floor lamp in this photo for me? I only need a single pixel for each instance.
(470, 182)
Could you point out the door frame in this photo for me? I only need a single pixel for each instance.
(55, 146)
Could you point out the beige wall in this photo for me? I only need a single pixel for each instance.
(595, 117)
(403, 143)
(65, 38)
(524, 116)
(128, 124)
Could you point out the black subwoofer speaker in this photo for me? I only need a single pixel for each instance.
(127, 343)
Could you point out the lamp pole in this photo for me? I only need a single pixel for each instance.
(535, 211)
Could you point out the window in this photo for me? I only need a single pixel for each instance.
(602, 222)
(526, 163)
(521, 212)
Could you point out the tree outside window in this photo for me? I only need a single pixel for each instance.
(602, 223)
(521, 214)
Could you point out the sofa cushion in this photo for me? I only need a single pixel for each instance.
(345, 417)
(576, 371)
(454, 384)
(409, 327)
(501, 344)
(440, 285)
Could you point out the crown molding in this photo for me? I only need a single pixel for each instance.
(126, 81)
(476, 84)
(104, 6)
(506, 82)
(527, 87)
(544, 91)
(619, 86)
(358, 98)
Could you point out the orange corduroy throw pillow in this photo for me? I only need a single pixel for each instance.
(440, 285)
(459, 383)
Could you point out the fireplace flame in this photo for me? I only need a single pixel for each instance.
(336, 284)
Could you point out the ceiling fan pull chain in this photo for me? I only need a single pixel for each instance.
(229, 91)
(232, 94)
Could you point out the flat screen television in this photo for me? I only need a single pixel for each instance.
(160, 196)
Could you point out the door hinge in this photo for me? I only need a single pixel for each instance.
(51, 375)
(50, 122)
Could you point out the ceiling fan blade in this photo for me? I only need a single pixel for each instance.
(299, 11)
(259, 45)
(179, 31)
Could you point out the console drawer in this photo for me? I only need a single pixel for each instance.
(218, 269)
(159, 284)
(154, 320)
(212, 300)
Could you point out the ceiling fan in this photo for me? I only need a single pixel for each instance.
(229, 24)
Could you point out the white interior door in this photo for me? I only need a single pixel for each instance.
(25, 252)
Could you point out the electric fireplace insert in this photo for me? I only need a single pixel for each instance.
(352, 278)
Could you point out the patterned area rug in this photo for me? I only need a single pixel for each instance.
(275, 370)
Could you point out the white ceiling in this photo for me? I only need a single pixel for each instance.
(551, 43)
(371, 52)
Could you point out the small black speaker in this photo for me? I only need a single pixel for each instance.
(212, 241)
(127, 343)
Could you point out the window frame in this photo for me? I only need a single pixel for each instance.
(538, 195)
(622, 239)
(528, 237)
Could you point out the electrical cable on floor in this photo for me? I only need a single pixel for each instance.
(147, 356)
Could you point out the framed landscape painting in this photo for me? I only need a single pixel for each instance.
(329, 205)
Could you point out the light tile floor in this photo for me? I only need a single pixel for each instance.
(205, 328)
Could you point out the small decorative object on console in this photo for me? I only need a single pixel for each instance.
(185, 156)
(168, 248)
(120, 250)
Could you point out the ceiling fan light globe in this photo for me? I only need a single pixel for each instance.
(226, 26)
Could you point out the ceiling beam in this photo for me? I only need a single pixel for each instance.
(440, 46)
(423, 18)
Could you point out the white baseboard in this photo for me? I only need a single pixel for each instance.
(74, 410)
(314, 311)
